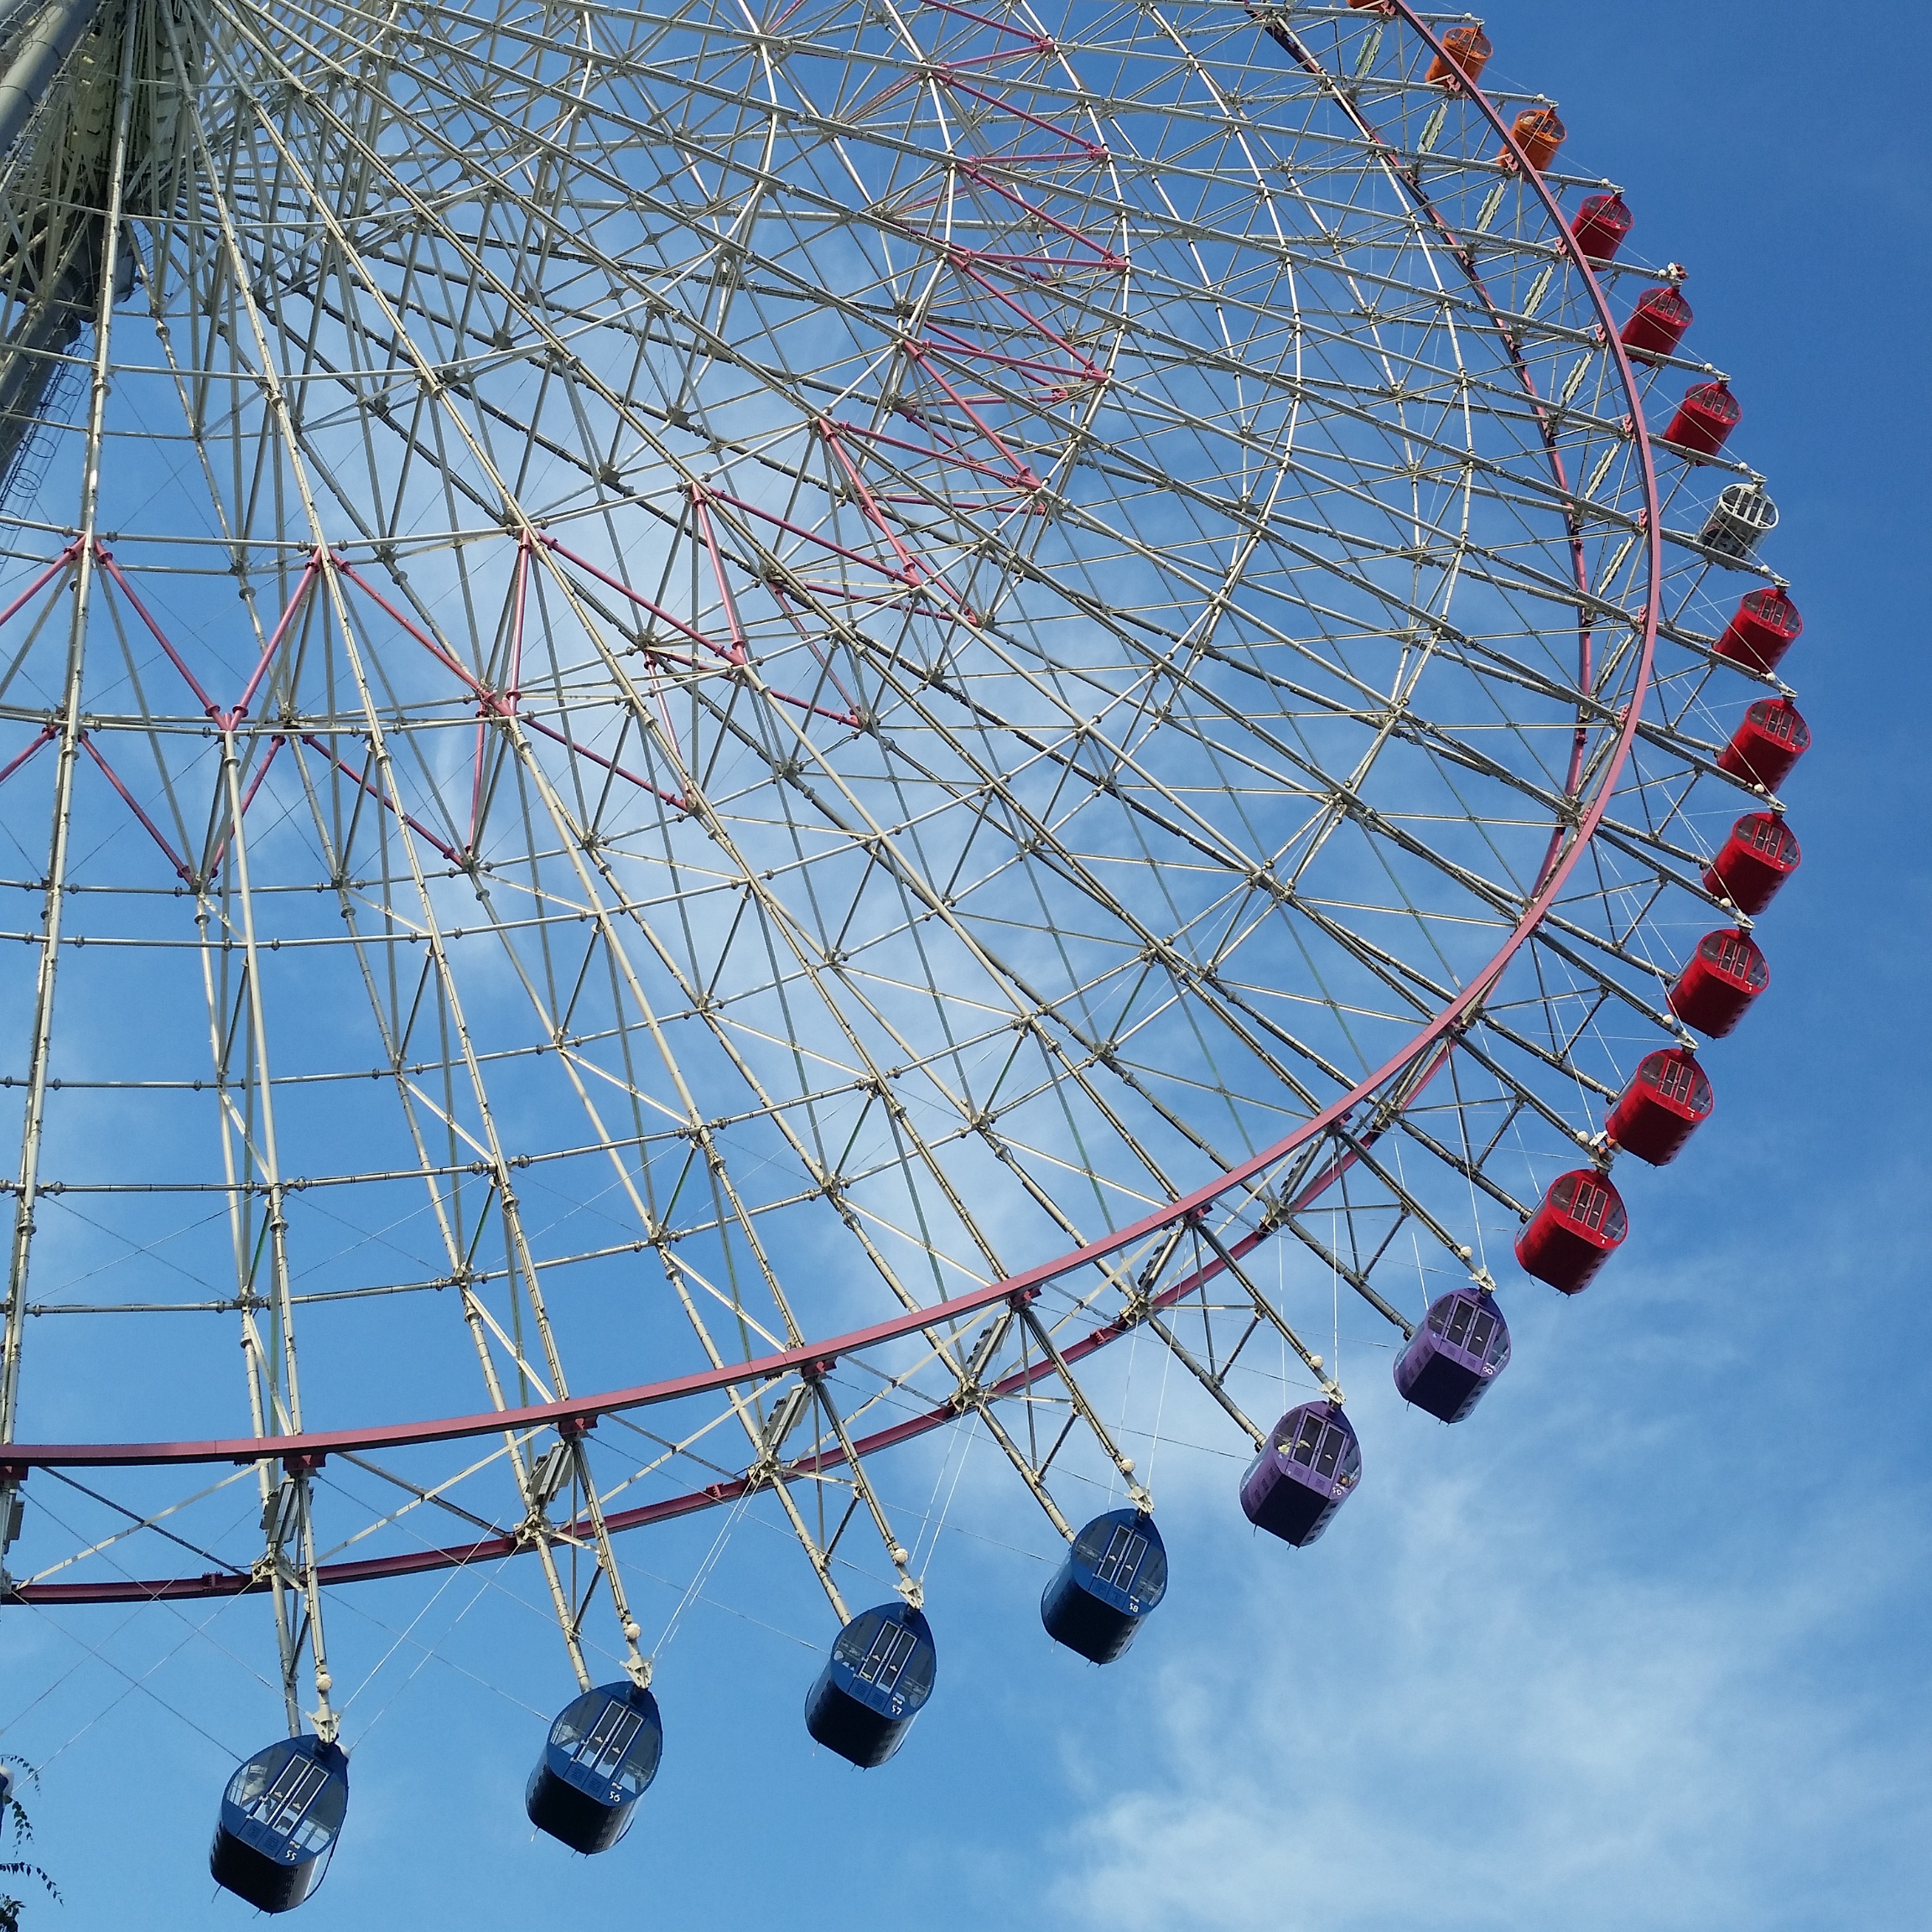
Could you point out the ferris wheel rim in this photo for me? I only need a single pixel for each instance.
(581, 1411)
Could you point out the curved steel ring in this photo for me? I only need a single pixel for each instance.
(583, 1410)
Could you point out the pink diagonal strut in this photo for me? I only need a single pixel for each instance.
(643, 603)
(228, 720)
(42, 581)
(361, 779)
(577, 751)
(478, 689)
(105, 558)
(47, 732)
(275, 745)
(127, 798)
(727, 602)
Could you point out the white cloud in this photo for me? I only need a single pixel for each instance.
(1467, 1727)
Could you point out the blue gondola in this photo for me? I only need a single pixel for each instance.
(1308, 1469)
(599, 1759)
(1462, 1347)
(5, 1787)
(1114, 1576)
(877, 1681)
(281, 1816)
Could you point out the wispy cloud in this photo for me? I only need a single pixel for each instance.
(1480, 1716)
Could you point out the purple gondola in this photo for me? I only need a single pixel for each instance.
(1308, 1470)
(1462, 1347)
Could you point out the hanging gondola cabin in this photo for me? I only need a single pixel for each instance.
(1704, 418)
(281, 1816)
(1462, 1347)
(1726, 974)
(1581, 1225)
(1771, 737)
(1600, 225)
(1307, 1470)
(1466, 51)
(1114, 1577)
(1659, 322)
(599, 1760)
(1760, 854)
(1765, 625)
(1666, 1102)
(1539, 132)
(876, 1682)
(1740, 520)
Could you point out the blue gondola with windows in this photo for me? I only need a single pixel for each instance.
(281, 1816)
(1114, 1576)
(599, 1760)
(876, 1682)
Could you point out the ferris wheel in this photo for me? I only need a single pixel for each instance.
(727, 732)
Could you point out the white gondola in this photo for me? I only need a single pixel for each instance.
(1743, 515)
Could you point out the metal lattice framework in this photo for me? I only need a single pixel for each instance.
(722, 733)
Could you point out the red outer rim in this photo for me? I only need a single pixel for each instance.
(16, 1458)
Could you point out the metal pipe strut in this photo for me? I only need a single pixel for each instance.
(71, 735)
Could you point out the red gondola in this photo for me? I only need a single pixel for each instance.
(1581, 1225)
(1539, 132)
(1466, 52)
(1667, 1100)
(1770, 739)
(1726, 974)
(1600, 225)
(1760, 854)
(1657, 325)
(1766, 625)
(1704, 418)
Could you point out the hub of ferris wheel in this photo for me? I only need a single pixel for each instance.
(724, 737)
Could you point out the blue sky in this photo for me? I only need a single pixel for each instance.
(1642, 1645)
